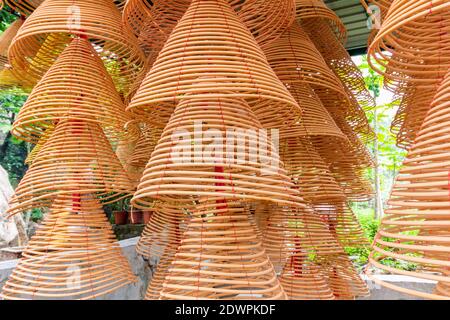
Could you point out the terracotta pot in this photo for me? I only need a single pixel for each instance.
(120, 217)
(135, 217)
(146, 215)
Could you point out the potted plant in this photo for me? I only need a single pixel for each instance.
(146, 215)
(120, 213)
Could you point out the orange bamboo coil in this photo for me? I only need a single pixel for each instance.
(319, 188)
(291, 238)
(120, 4)
(296, 62)
(295, 59)
(262, 214)
(38, 147)
(413, 43)
(378, 10)
(164, 231)
(418, 219)
(156, 283)
(297, 232)
(314, 10)
(235, 63)
(161, 239)
(5, 41)
(347, 170)
(87, 94)
(138, 81)
(97, 20)
(153, 24)
(73, 255)
(343, 279)
(347, 161)
(145, 146)
(9, 81)
(221, 257)
(411, 113)
(304, 281)
(316, 120)
(340, 62)
(24, 7)
(342, 223)
(308, 171)
(267, 20)
(77, 158)
(300, 240)
(209, 148)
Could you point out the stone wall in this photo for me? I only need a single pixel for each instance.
(143, 270)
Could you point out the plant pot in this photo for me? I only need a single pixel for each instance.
(120, 217)
(135, 217)
(146, 215)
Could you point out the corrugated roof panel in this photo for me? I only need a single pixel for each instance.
(354, 17)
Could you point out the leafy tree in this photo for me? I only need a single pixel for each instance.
(387, 155)
(13, 152)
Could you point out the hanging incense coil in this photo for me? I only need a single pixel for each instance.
(24, 7)
(145, 146)
(38, 147)
(296, 239)
(418, 219)
(78, 87)
(267, 20)
(164, 231)
(5, 41)
(99, 21)
(297, 62)
(161, 239)
(316, 120)
(347, 170)
(262, 215)
(235, 67)
(339, 61)
(77, 158)
(297, 232)
(412, 43)
(319, 188)
(309, 171)
(303, 281)
(73, 255)
(221, 257)
(9, 81)
(291, 238)
(343, 279)
(138, 81)
(295, 59)
(347, 161)
(377, 10)
(120, 4)
(342, 223)
(153, 24)
(314, 10)
(190, 158)
(411, 113)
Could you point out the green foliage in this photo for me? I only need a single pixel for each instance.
(6, 18)
(370, 225)
(13, 152)
(390, 157)
(37, 215)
